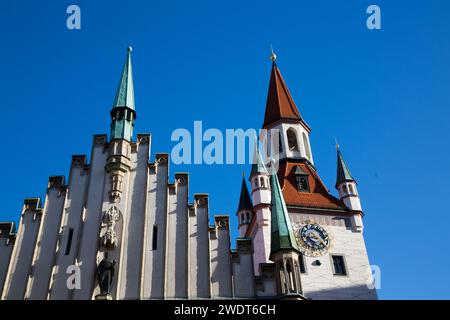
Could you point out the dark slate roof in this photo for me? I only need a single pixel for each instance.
(245, 202)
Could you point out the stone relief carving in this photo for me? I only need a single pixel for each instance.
(161, 160)
(202, 202)
(181, 180)
(116, 188)
(143, 139)
(99, 139)
(221, 223)
(110, 218)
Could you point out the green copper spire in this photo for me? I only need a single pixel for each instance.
(282, 237)
(122, 113)
(125, 91)
(245, 202)
(258, 166)
(343, 173)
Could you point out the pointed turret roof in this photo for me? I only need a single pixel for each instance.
(343, 173)
(280, 104)
(245, 202)
(282, 235)
(125, 91)
(258, 163)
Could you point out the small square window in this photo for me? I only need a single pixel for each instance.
(339, 266)
(302, 183)
(302, 264)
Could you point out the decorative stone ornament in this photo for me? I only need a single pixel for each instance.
(100, 139)
(221, 222)
(116, 188)
(78, 161)
(161, 159)
(202, 202)
(109, 240)
(181, 180)
(143, 139)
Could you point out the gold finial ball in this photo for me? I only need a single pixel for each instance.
(273, 56)
(130, 49)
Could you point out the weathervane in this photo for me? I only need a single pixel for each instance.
(273, 56)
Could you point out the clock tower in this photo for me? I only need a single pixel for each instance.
(332, 257)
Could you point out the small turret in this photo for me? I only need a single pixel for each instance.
(123, 113)
(260, 230)
(245, 210)
(284, 251)
(348, 193)
(346, 185)
(259, 179)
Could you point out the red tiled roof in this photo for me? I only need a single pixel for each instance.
(280, 104)
(318, 197)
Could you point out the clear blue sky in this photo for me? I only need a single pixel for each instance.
(384, 94)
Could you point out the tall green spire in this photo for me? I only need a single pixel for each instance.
(245, 202)
(125, 91)
(343, 173)
(282, 236)
(123, 113)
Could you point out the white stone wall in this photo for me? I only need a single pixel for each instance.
(91, 220)
(319, 281)
(199, 259)
(153, 274)
(71, 219)
(177, 237)
(220, 258)
(6, 248)
(134, 222)
(21, 258)
(242, 269)
(45, 250)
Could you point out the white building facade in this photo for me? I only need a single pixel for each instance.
(119, 228)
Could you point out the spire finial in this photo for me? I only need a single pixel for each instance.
(129, 49)
(273, 56)
(337, 144)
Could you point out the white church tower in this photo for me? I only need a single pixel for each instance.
(332, 261)
(261, 194)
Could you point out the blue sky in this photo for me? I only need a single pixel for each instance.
(384, 94)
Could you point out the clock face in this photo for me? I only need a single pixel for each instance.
(313, 238)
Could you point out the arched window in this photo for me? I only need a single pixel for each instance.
(248, 217)
(290, 276)
(344, 188)
(283, 280)
(263, 184)
(255, 182)
(350, 188)
(292, 140)
(306, 144)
